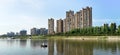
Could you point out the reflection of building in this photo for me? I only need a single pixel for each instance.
(23, 32)
(59, 26)
(51, 26)
(37, 43)
(23, 43)
(73, 48)
(50, 47)
(60, 49)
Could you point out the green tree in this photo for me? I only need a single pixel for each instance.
(112, 28)
(106, 29)
(118, 30)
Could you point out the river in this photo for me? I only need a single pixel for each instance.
(58, 47)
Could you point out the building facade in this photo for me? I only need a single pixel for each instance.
(69, 20)
(81, 19)
(10, 34)
(43, 31)
(34, 31)
(51, 26)
(23, 32)
(59, 25)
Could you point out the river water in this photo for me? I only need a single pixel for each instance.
(58, 47)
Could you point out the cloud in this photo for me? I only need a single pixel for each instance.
(34, 3)
(4, 3)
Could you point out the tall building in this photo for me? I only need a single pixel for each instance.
(69, 20)
(80, 19)
(51, 26)
(59, 25)
(86, 17)
(34, 31)
(23, 32)
(64, 25)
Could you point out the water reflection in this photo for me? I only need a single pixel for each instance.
(58, 47)
(69, 47)
(23, 43)
(74, 48)
(51, 47)
(37, 43)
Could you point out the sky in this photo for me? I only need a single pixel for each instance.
(16, 15)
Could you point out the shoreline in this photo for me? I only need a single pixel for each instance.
(108, 38)
(87, 38)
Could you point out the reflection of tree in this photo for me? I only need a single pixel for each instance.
(106, 46)
(23, 43)
(50, 47)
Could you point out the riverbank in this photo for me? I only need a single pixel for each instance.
(108, 38)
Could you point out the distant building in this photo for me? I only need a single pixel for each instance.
(59, 25)
(23, 32)
(38, 31)
(43, 31)
(10, 34)
(34, 31)
(51, 26)
(17, 34)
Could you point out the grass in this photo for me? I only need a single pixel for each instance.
(61, 37)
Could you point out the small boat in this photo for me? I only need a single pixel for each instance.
(43, 45)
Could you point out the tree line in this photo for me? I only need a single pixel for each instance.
(105, 30)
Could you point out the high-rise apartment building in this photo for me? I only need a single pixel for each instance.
(80, 19)
(59, 25)
(64, 25)
(51, 26)
(69, 20)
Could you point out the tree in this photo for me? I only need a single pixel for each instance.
(112, 28)
(118, 29)
(106, 29)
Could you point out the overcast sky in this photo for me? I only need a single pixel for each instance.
(16, 15)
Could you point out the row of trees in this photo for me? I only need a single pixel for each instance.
(113, 29)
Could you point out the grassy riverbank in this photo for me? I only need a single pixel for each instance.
(113, 38)
(110, 38)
